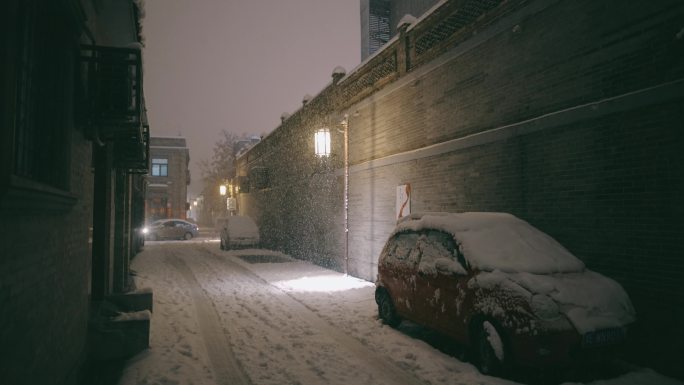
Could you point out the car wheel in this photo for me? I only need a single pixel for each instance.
(188, 236)
(489, 352)
(386, 310)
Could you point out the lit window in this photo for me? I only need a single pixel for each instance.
(160, 167)
(322, 142)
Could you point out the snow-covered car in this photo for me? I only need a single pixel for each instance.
(237, 231)
(170, 229)
(508, 292)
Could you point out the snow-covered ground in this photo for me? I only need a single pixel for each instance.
(219, 319)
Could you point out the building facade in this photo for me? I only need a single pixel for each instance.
(380, 19)
(168, 179)
(491, 106)
(73, 145)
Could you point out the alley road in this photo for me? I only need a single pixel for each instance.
(259, 317)
(216, 321)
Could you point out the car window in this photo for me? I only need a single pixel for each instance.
(438, 254)
(399, 250)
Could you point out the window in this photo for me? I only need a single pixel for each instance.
(379, 28)
(439, 254)
(44, 64)
(399, 250)
(160, 167)
(260, 178)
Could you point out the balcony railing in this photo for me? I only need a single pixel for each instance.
(111, 84)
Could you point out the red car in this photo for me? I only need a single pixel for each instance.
(502, 288)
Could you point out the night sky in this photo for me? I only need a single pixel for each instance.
(238, 65)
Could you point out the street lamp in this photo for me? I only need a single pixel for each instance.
(322, 149)
(322, 142)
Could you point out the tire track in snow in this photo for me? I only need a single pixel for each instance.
(226, 367)
(383, 370)
(251, 302)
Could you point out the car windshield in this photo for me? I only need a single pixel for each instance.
(498, 241)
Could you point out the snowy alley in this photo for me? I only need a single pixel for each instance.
(260, 317)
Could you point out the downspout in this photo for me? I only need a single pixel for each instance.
(345, 125)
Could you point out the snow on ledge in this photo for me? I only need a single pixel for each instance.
(133, 316)
(407, 19)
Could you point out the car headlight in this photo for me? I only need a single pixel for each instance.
(144, 230)
(544, 307)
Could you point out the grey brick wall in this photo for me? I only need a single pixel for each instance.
(566, 114)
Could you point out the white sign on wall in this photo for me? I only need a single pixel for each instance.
(231, 204)
(403, 200)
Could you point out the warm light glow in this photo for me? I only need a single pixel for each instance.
(322, 142)
(194, 203)
(324, 283)
(222, 189)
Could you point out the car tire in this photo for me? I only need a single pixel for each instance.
(386, 311)
(489, 352)
(187, 236)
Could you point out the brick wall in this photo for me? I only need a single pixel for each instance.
(173, 187)
(567, 114)
(47, 199)
(44, 278)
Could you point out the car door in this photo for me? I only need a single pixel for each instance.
(441, 283)
(178, 229)
(167, 229)
(397, 269)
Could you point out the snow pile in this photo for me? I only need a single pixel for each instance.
(590, 300)
(133, 316)
(498, 241)
(494, 340)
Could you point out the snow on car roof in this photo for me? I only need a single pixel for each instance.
(242, 226)
(498, 241)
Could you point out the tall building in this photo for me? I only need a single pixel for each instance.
(379, 19)
(168, 179)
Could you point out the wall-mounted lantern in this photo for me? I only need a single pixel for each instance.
(322, 142)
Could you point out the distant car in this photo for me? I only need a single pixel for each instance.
(237, 231)
(500, 287)
(171, 229)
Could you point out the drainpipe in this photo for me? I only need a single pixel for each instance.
(345, 125)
